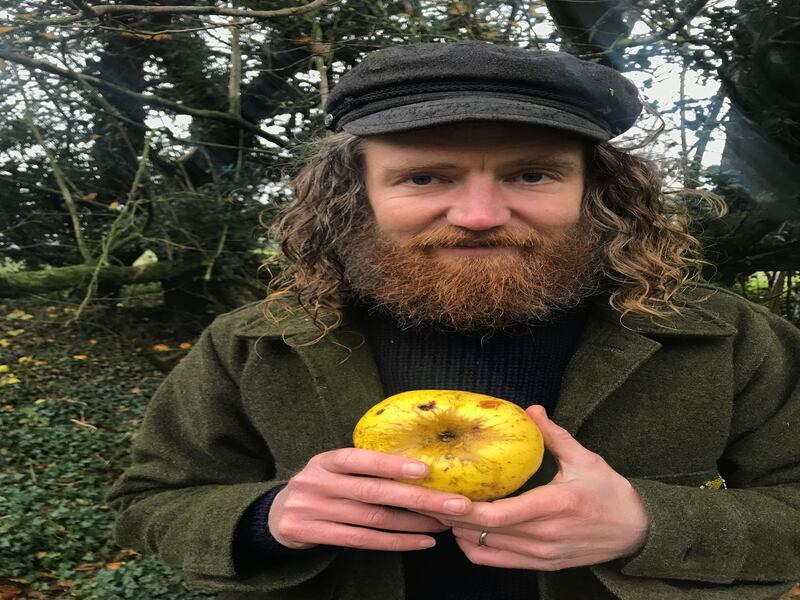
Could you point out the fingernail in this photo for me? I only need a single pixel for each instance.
(414, 469)
(427, 543)
(455, 506)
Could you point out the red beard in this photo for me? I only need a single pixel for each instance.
(534, 277)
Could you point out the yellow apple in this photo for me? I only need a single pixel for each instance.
(476, 445)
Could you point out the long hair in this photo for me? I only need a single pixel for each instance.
(648, 253)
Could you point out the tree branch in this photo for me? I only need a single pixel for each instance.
(682, 21)
(25, 283)
(101, 10)
(144, 98)
(61, 180)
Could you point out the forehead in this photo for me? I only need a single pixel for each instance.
(468, 139)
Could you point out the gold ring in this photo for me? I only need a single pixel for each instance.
(482, 538)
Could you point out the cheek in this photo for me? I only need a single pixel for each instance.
(552, 215)
(407, 217)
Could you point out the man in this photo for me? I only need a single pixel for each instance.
(469, 227)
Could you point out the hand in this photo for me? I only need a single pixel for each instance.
(331, 502)
(587, 515)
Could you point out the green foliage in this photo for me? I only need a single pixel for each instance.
(137, 580)
(66, 436)
(9, 265)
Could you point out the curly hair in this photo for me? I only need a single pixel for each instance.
(648, 252)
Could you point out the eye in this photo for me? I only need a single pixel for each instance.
(421, 180)
(533, 177)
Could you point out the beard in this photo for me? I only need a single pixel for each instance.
(533, 277)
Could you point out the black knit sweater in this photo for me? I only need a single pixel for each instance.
(524, 365)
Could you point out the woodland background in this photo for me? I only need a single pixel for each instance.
(142, 144)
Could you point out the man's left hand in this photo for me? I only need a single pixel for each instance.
(588, 514)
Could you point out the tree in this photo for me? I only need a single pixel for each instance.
(169, 126)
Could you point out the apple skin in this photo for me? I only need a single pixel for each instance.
(476, 445)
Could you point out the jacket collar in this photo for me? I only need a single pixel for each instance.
(609, 350)
(695, 321)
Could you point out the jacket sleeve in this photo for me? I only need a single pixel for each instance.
(747, 536)
(197, 466)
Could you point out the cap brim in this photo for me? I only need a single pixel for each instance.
(471, 108)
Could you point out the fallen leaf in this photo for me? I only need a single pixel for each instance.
(24, 359)
(4, 369)
(114, 205)
(80, 357)
(185, 346)
(2, 64)
(458, 8)
(40, 555)
(15, 332)
(90, 196)
(19, 314)
(9, 591)
(49, 35)
(161, 348)
(9, 380)
(93, 342)
(4, 343)
(136, 390)
(114, 565)
(5, 30)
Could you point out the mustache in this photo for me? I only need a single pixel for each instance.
(446, 237)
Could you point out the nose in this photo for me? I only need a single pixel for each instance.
(479, 206)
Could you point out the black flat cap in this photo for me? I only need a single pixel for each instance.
(412, 86)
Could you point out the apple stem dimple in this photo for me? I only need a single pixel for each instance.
(447, 436)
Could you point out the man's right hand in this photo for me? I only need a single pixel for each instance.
(332, 502)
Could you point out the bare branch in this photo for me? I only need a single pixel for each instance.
(144, 98)
(682, 21)
(61, 180)
(101, 10)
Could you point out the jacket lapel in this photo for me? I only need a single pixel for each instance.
(605, 357)
(341, 365)
(611, 348)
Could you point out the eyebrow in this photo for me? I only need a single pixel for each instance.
(551, 162)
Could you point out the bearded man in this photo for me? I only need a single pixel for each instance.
(468, 226)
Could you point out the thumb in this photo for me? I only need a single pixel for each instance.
(557, 440)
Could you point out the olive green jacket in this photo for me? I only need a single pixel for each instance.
(669, 408)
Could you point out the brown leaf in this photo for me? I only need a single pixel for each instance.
(458, 9)
(9, 591)
(114, 565)
(90, 196)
